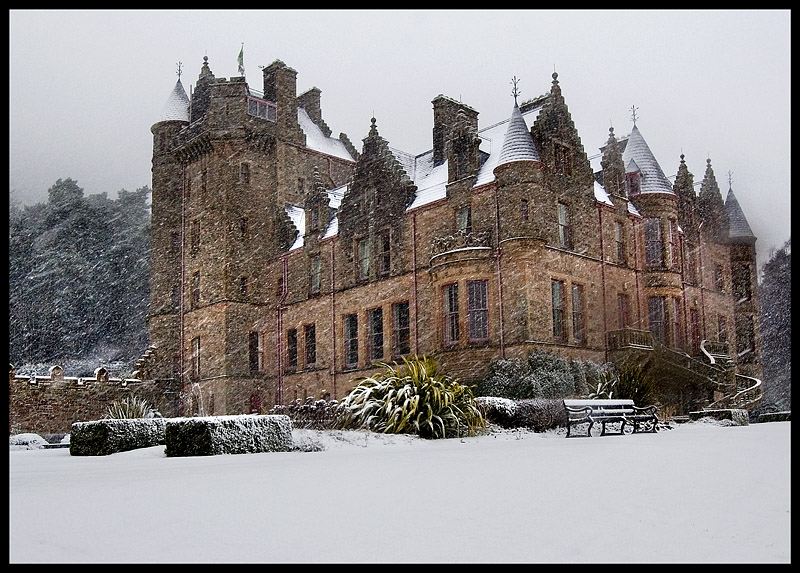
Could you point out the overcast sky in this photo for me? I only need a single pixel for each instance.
(85, 86)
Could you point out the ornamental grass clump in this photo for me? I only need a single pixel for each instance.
(130, 407)
(412, 398)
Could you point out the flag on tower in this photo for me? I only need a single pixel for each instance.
(241, 61)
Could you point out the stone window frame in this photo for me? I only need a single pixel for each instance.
(315, 275)
(401, 329)
(478, 310)
(375, 334)
(310, 345)
(564, 226)
(383, 264)
(653, 242)
(558, 299)
(450, 318)
(624, 309)
(578, 310)
(350, 340)
(291, 350)
(464, 219)
(363, 256)
(255, 345)
(620, 242)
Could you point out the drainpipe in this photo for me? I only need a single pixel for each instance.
(181, 353)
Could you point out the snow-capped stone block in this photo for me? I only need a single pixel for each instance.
(736, 416)
(213, 435)
(109, 436)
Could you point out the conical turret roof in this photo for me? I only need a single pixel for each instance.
(177, 106)
(653, 178)
(518, 143)
(739, 227)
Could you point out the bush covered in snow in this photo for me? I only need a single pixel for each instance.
(27, 441)
(311, 414)
(412, 398)
(633, 383)
(104, 437)
(213, 435)
(541, 375)
(537, 414)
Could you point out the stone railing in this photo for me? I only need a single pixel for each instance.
(629, 338)
(460, 240)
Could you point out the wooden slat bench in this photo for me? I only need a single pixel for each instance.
(620, 412)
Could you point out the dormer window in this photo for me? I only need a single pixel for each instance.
(633, 182)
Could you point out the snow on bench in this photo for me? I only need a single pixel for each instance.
(610, 412)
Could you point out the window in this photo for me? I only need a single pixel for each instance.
(624, 305)
(722, 328)
(742, 288)
(450, 293)
(195, 289)
(256, 348)
(719, 281)
(745, 335)
(351, 341)
(194, 236)
(315, 274)
(578, 325)
(375, 333)
(363, 259)
(291, 350)
(478, 310)
(176, 295)
(310, 335)
(523, 209)
(243, 227)
(243, 286)
(559, 312)
(384, 254)
(562, 158)
(674, 245)
(619, 240)
(464, 220)
(564, 229)
(677, 334)
(196, 358)
(655, 317)
(255, 404)
(402, 329)
(653, 245)
(244, 173)
(694, 326)
(691, 265)
(633, 182)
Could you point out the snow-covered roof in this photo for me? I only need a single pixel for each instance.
(318, 141)
(298, 217)
(739, 227)
(492, 140)
(177, 106)
(517, 143)
(638, 157)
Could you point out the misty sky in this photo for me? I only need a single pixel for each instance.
(85, 86)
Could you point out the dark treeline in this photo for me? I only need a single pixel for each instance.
(775, 299)
(79, 269)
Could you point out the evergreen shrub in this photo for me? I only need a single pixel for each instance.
(104, 437)
(213, 435)
(412, 398)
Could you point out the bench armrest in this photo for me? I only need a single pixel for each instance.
(578, 409)
(646, 409)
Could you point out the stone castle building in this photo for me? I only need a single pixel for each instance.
(286, 262)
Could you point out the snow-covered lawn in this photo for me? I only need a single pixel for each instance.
(698, 493)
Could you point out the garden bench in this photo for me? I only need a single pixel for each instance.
(620, 412)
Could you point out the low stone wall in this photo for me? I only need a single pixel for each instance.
(51, 404)
(775, 417)
(737, 416)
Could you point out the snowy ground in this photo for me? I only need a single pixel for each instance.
(699, 493)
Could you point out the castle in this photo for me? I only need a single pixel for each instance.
(286, 263)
